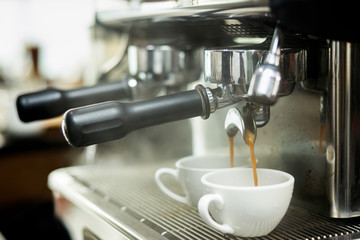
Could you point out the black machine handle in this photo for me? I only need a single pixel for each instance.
(113, 120)
(54, 102)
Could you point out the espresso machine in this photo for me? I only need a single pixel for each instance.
(288, 67)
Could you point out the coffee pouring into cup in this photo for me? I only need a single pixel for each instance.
(189, 170)
(234, 205)
(244, 122)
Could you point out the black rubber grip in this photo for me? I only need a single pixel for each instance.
(113, 120)
(54, 102)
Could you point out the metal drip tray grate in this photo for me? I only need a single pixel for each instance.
(132, 191)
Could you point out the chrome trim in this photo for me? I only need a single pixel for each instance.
(151, 11)
(343, 150)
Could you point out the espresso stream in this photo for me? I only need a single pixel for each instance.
(250, 141)
(231, 144)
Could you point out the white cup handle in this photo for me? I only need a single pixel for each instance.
(174, 173)
(203, 208)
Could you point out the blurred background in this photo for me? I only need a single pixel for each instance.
(42, 43)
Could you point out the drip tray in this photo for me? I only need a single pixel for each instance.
(128, 199)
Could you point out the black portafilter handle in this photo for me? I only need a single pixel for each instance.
(113, 120)
(53, 102)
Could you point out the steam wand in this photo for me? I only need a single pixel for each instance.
(265, 82)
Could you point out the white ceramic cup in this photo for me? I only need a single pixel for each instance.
(188, 173)
(234, 205)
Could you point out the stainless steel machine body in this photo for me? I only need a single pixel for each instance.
(306, 121)
(309, 129)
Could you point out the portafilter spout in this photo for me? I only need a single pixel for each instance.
(240, 121)
(265, 82)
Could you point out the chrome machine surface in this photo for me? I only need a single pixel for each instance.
(309, 86)
(306, 122)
